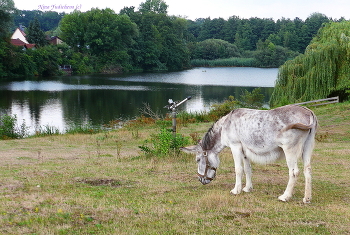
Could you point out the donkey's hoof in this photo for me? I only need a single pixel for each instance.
(307, 200)
(235, 191)
(247, 189)
(283, 198)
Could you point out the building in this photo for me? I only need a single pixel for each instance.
(18, 38)
(55, 40)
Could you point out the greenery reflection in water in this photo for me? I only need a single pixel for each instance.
(102, 98)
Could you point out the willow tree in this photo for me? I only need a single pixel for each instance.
(323, 69)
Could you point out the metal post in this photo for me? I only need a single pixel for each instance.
(172, 106)
(174, 122)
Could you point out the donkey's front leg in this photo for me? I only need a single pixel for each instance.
(238, 159)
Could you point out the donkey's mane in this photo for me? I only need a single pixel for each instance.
(212, 135)
(207, 142)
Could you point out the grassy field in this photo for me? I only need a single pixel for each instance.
(102, 184)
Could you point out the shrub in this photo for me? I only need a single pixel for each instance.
(8, 128)
(254, 99)
(219, 110)
(164, 143)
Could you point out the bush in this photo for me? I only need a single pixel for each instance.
(8, 129)
(254, 99)
(164, 143)
(211, 49)
(220, 110)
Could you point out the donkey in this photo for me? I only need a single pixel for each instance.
(261, 136)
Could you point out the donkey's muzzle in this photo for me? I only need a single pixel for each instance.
(204, 180)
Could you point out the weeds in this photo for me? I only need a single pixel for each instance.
(47, 130)
(87, 128)
(119, 146)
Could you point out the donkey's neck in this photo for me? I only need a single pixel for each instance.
(212, 139)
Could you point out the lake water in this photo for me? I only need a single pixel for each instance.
(98, 99)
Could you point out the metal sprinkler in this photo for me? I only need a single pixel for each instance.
(172, 106)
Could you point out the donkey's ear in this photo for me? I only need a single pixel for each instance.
(191, 149)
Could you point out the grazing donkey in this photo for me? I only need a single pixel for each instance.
(261, 136)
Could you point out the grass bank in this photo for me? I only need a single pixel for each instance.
(102, 184)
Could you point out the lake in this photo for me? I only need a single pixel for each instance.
(98, 99)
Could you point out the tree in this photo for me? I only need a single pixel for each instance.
(35, 35)
(156, 6)
(270, 55)
(107, 31)
(231, 28)
(323, 70)
(243, 37)
(73, 27)
(7, 9)
(212, 49)
(48, 20)
(102, 34)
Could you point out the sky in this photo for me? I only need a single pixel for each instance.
(193, 9)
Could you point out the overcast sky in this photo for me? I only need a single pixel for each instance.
(193, 9)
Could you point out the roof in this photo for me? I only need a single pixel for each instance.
(29, 45)
(17, 42)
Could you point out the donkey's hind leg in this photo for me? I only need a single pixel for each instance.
(307, 152)
(292, 155)
(248, 175)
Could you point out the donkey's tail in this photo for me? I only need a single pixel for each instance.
(313, 124)
(310, 140)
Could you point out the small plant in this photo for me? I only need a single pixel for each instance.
(164, 143)
(119, 147)
(8, 129)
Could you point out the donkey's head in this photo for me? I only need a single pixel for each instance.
(207, 161)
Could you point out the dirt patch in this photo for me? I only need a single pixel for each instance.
(104, 182)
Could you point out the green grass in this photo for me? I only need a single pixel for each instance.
(82, 184)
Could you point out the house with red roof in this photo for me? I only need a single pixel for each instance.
(18, 38)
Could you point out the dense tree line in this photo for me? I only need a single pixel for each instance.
(48, 20)
(148, 39)
(246, 33)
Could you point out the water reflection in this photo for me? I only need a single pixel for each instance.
(102, 98)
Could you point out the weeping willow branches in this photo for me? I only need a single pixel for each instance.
(323, 69)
